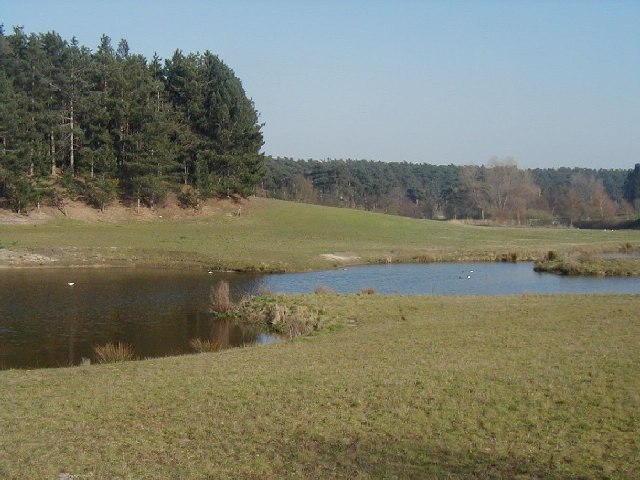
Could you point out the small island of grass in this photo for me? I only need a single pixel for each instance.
(590, 264)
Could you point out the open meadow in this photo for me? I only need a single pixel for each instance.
(410, 387)
(394, 387)
(271, 235)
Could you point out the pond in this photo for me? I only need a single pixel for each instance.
(448, 279)
(45, 322)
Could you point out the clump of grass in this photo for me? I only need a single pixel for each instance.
(323, 290)
(425, 258)
(220, 297)
(508, 257)
(627, 247)
(281, 316)
(581, 263)
(367, 291)
(113, 352)
(204, 345)
(384, 260)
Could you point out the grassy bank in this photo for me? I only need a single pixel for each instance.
(272, 235)
(415, 387)
(580, 263)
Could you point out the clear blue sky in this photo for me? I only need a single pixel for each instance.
(550, 83)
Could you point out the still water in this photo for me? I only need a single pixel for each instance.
(449, 279)
(44, 322)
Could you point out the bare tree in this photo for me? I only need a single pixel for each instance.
(587, 199)
(510, 191)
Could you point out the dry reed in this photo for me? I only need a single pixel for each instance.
(113, 352)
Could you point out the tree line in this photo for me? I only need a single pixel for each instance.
(498, 191)
(108, 123)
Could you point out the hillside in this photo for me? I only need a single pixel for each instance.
(270, 235)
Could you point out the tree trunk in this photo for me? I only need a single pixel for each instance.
(52, 153)
(71, 139)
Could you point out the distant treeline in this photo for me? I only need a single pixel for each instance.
(499, 191)
(102, 124)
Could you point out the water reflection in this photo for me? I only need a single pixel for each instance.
(44, 322)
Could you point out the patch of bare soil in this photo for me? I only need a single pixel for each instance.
(120, 212)
(343, 257)
(9, 258)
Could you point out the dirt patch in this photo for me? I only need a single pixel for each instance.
(11, 258)
(342, 257)
(121, 212)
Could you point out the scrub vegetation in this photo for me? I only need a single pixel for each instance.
(410, 387)
(581, 263)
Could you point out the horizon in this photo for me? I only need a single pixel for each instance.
(550, 85)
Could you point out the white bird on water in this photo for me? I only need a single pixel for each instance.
(71, 284)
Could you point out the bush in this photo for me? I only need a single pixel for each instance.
(189, 197)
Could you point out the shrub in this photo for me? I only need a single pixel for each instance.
(189, 197)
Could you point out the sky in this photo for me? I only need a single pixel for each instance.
(548, 83)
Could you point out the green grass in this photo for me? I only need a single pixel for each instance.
(590, 265)
(273, 235)
(414, 387)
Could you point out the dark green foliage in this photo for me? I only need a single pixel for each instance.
(101, 192)
(151, 190)
(21, 193)
(107, 123)
(632, 185)
(446, 191)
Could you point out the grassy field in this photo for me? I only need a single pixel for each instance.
(399, 387)
(412, 387)
(273, 235)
